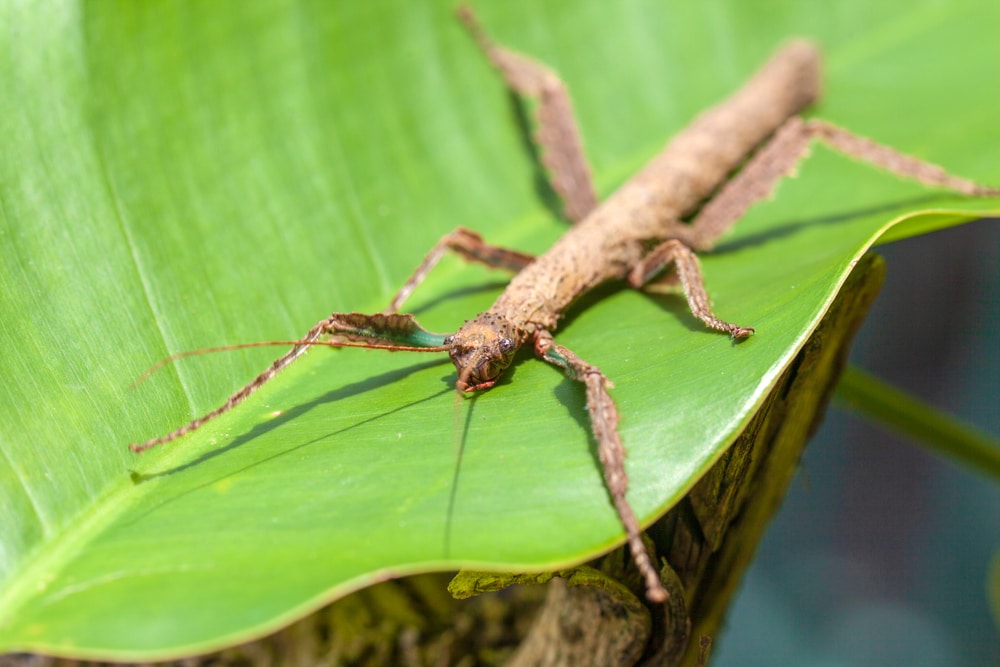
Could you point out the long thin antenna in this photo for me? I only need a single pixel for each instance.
(299, 347)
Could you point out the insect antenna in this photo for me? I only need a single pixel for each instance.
(207, 350)
(372, 331)
(272, 343)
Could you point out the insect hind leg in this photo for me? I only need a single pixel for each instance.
(790, 144)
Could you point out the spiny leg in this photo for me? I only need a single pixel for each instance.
(470, 246)
(382, 331)
(557, 134)
(785, 149)
(604, 422)
(689, 274)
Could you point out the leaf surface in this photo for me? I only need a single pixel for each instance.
(185, 175)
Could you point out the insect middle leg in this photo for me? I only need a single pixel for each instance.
(685, 263)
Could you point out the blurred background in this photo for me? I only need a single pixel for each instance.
(880, 554)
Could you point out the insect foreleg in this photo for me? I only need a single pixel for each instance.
(471, 247)
(382, 331)
(689, 274)
(604, 422)
(557, 134)
(778, 157)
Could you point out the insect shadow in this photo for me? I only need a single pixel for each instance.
(791, 227)
(492, 287)
(373, 383)
(540, 179)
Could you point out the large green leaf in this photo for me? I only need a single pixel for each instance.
(183, 175)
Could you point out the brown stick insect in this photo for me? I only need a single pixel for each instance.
(678, 204)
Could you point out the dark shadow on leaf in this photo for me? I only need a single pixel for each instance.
(495, 287)
(543, 188)
(368, 384)
(677, 306)
(674, 304)
(781, 230)
(573, 397)
(333, 396)
(453, 493)
(588, 300)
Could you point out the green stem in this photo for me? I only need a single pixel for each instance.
(902, 412)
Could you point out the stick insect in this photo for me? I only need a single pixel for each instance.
(680, 203)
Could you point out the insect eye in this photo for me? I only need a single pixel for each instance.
(449, 339)
(506, 345)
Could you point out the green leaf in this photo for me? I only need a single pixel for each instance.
(178, 175)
